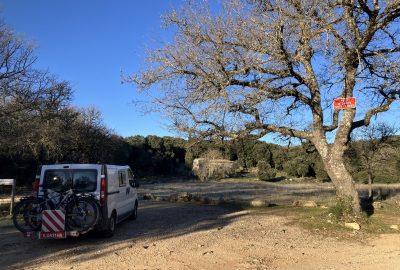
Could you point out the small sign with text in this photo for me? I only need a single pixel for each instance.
(344, 103)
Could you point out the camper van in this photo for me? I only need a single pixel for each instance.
(113, 187)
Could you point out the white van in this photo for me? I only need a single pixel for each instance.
(113, 187)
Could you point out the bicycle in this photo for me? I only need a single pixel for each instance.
(82, 211)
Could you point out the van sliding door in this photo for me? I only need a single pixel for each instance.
(124, 191)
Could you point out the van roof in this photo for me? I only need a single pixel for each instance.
(82, 166)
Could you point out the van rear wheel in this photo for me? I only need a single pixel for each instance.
(110, 226)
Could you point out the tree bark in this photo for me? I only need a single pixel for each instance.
(337, 171)
(370, 184)
(343, 181)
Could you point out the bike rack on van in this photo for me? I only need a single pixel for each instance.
(53, 226)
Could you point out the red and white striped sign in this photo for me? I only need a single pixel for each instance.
(53, 224)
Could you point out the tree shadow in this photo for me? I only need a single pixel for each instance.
(156, 221)
(276, 179)
(367, 205)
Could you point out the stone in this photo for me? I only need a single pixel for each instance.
(258, 203)
(180, 197)
(173, 198)
(352, 225)
(305, 204)
(184, 197)
(397, 203)
(377, 205)
(148, 196)
(394, 227)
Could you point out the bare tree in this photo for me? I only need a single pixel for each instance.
(22, 87)
(374, 146)
(249, 71)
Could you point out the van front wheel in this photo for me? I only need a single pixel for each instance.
(134, 213)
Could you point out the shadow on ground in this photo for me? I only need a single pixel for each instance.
(156, 221)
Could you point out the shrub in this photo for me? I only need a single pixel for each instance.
(320, 172)
(297, 168)
(342, 209)
(264, 171)
(213, 154)
(237, 168)
(290, 168)
(303, 170)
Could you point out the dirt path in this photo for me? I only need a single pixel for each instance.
(191, 236)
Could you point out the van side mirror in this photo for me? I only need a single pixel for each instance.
(134, 183)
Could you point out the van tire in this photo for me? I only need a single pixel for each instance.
(135, 211)
(112, 222)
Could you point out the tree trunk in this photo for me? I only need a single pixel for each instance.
(341, 178)
(370, 180)
(343, 182)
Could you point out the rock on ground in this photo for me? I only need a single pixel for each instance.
(305, 203)
(352, 225)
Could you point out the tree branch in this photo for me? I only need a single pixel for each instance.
(367, 118)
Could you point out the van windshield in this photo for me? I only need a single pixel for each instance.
(81, 180)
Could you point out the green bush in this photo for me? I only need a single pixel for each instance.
(342, 209)
(296, 169)
(264, 171)
(320, 172)
(290, 168)
(360, 177)
(303, 169)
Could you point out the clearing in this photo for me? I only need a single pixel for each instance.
(196, 236)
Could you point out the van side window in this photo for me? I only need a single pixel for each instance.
(131, 179)
(122, 178)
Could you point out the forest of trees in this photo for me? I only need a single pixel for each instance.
(167, 156)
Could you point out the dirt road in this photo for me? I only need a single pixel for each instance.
(191, 236)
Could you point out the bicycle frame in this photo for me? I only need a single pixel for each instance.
(66, 197)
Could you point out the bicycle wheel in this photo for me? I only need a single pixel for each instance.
(27, 215)
(82, 214)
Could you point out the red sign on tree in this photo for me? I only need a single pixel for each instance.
(344, 103)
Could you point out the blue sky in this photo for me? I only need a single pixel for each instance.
(89, 43)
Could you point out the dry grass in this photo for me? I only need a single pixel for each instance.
(322, 221)
(5, 218)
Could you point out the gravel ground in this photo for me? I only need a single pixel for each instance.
(192, 236)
